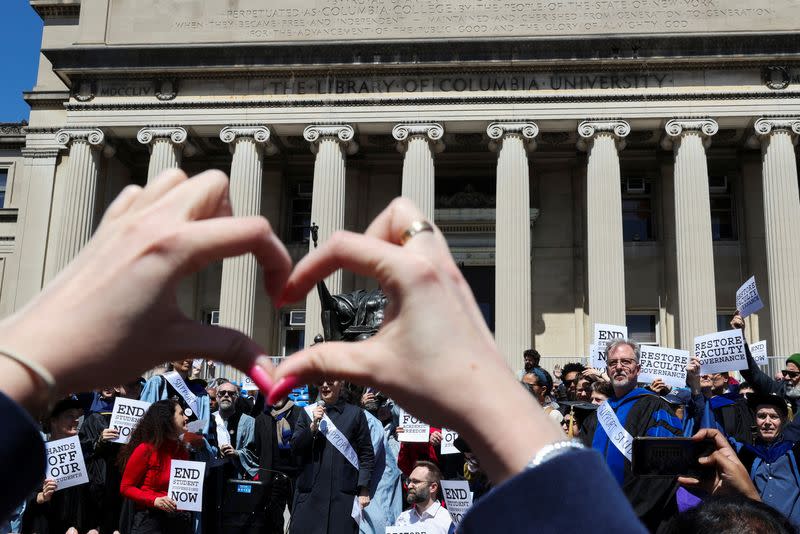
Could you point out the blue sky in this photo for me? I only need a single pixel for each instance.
(21, 29)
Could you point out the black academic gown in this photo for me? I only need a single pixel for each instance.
(328, 483)
(104, 503)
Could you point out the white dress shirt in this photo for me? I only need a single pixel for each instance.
(436, 518)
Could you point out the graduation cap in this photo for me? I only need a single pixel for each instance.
(754, 400)
(583, 408)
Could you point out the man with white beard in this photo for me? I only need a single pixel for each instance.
(633, 412)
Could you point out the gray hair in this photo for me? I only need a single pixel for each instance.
(618, 342)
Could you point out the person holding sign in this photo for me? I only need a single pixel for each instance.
(190, 394)
(52, 510)
(146, 469)
(423, 496)
(633, 411)
(332, 441)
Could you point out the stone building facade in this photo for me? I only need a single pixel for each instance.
(623, 162)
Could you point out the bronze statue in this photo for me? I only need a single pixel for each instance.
(350, 316)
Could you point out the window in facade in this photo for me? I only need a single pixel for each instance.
(723, 320)
(481, 281)
(642, 327)
(723, 209)
(293, 332)
(3, 182)
(638, 216)
(300, 213)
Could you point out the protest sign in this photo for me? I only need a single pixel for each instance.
(458, 498)
(603, 335)
(448, 439)
(416, 528)
(720, 352)
(65, 462)
(759, 352)
(248, 384)
(186, 484)
(414, 430)
(667, 364)
(747, 299)
(125, 416)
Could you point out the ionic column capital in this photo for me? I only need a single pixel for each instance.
(677, 128)
(260, 134)
(432, 132)
(589, 129)
(766, 126)
(344, 134)
(527, 131)
(175, 134)
(94, 137)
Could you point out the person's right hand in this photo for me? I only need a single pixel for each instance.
(165, 504)
(658, 387)
(48, 489)
(109, 434)
(730, 477)
(737, 321)
(399, 430)
(433, 340)
(318, 412)
(125, 281)
(693, 375)
(435, 438)
(367, 397)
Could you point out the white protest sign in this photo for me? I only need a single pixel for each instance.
(65, 462)
(747, 299)
(603, 335)
(186, 484)
(416, 528)
(414, 430)
(448, 440)
(248, 384)
(125, 417)
(720, 352)
(667, 364)
(759, 352)
(458, 498)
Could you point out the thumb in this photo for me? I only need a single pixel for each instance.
(223, 344)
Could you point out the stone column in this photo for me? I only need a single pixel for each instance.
(694, 251)
(782, 229)
(166, 147)
(240, 275)
(512, 331)
(419, 142)
(605, 255)
(331, 143)
(76, 198)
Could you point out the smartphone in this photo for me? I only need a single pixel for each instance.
(670, 457)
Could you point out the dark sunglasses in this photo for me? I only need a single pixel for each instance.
(790, 374)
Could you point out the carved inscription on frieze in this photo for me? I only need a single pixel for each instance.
(208, 21)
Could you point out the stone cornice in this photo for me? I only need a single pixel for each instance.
(259, 134)
(47, 9)
(30, 152)
(588, 129)
(677, 128)
(433, 132)
(343, 133)
(94, 136)
(526, 130)
(176, 134)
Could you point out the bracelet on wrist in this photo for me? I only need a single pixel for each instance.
(553, 450)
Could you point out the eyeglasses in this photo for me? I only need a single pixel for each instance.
(624, 362)
(415, 482)
(223, 393)
(790, 374)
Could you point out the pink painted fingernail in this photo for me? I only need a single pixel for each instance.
(260, 375)
(282, 388)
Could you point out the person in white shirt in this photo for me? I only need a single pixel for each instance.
(423, 491)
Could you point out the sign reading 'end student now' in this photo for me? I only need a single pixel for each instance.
(186, 484)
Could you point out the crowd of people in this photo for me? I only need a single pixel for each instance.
(545, 451)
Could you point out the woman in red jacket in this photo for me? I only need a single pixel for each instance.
(155, 441)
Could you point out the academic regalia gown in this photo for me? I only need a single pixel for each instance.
(105, 503)
(328, 483)
(642, 413)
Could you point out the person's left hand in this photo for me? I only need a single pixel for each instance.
(363, 498)
(658, 387)
(109, 434)
(127, 276)
(436, 438)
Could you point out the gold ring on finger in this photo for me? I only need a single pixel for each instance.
(415, 228)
